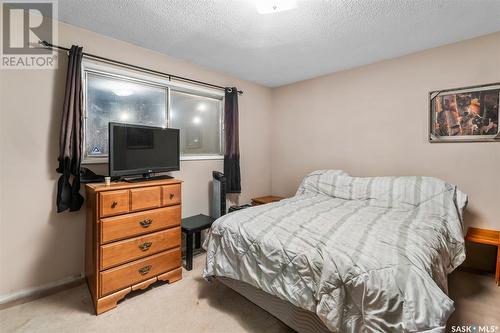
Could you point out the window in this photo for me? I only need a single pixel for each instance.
(200, 119)
(118, 95)
(116, 100)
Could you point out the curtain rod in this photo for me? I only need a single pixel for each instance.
(143, 69)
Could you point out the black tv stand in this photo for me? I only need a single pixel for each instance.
(145, 177)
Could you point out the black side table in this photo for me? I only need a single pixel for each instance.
(194, 225)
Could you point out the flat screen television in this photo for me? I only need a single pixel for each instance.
(142, 150)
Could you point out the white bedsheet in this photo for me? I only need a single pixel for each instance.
(364, 254)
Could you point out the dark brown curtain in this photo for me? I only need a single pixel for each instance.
(70, 135)
(232, 147)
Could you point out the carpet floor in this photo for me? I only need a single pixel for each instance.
(193, 305)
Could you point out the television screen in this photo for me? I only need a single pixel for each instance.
(136, 149)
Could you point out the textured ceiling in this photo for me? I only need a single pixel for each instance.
(316, 38)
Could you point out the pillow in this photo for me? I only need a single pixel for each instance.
(432, 198)
(320, 182)
(405, 192)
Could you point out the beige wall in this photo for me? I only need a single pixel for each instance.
(39, 246)
(372, 121)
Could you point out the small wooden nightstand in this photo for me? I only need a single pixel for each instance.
(490, 237)
(265, 200)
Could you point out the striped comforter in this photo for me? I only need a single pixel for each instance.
(364, 254)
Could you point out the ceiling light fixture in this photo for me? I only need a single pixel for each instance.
(275, 6)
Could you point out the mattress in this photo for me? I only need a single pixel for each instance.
(298, 319)
(362, 254)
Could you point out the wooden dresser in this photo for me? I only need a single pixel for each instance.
(132, 238)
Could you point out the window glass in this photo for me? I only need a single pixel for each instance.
(199, 120)
(111, 99)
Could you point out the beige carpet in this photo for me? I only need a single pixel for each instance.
(193, 305)
(477, 300)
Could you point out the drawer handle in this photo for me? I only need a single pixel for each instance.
(145, 246)
(146, 223)
(145, 270)
(171, 196)
(113, 204)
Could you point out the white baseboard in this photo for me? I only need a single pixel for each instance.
(40, 291)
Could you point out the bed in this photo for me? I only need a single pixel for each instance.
(358, 254)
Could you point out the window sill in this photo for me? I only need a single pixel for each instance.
(201, 157)
(104, 160)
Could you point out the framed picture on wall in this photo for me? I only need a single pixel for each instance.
(465, 114)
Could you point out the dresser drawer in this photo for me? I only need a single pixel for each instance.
(113, 203)
(131, 249)
(135, 224)
(126, 275)
(171, 194)
(145, 198)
